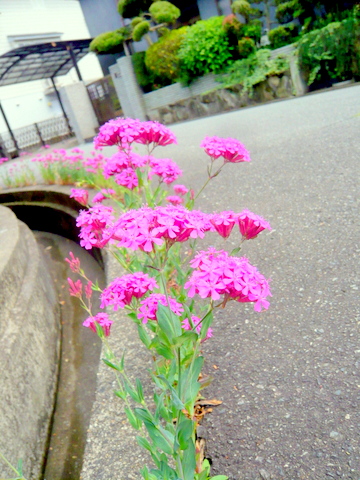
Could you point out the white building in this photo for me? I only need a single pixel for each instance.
(28, 22)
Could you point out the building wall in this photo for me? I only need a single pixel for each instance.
(21, 21)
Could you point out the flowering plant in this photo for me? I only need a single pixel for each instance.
(162, 282)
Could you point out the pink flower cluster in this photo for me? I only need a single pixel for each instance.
(123, 166)
(230, 149)
(165, 168)
(250, 224)
(146, 227)
(3, 160)
(74, 263)
(101, 319)
(125, 131)
(196, 321)
(122, 290)
(149, 306)
(80, 195)
(216, 273)
(95, 226)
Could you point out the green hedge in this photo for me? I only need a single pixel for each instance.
(332, 52)
(205, 48)
(162, 59)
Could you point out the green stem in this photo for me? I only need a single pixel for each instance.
(9, 464)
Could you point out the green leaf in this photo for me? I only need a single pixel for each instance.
(189, 461)
(191, 387)
(158, 438)
(168, 322)
(135, 422)
(144, 336)
(235, 251)
(219, 477)
(131, 391)
(111, 365)
(121, 394)
(185, 337)
(175, 398)
(143, 415)
(139, 390)
(184, 432)
(144, 443)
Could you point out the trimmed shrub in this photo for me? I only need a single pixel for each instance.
(281, 36)
(205, 48)
(140, 30)
(164, 12)
(162, 59)
(108, 42)
(246, 47)
(332, 52)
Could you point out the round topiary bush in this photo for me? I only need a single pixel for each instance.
(164, 12)
(162, 59)
(205, 48)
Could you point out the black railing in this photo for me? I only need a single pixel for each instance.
(34, 136)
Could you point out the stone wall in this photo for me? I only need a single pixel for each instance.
(223, 100)
(29, 348)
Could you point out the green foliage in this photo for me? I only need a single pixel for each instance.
(144, 77)
(135, 21)
(241, 7)
(254, 69)
(331, 52)
(252, 30)
(281, 36)
(132, 8)
(205, 48)
(164, 12)
(108, 42)
(246, 47)
(140, 30)
(162, 59)
(232, 26)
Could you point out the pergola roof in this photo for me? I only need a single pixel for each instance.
(45, 60)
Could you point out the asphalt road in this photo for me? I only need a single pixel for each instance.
(288, 377)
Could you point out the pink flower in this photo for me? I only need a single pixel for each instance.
(118, 131)
(127, 178)
(88, 290)
(80, 195)
(156, 133)
(74, 263)
(229, 148)
(216, 273)
(174, 200)
(224, 222)
(122, 290)
(165, 168)
(251, 225)
(149, 306)
(102, 319)
(95, 226)
(75, 288)
(180, 189)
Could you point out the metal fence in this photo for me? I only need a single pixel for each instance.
(34, 136)
(104, 99)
